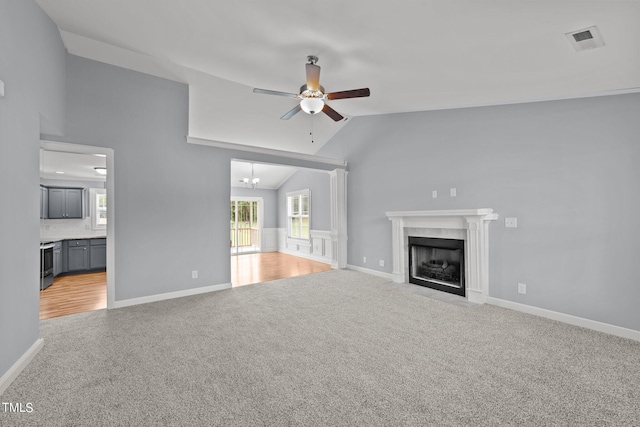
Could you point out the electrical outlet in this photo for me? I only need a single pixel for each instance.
(381, 263)
(364, 259)
(453, 192)
(194, 274)
(522, 288)
(511, 222)
(434, 194)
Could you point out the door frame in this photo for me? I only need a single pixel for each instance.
(110, 187)
(260, 201)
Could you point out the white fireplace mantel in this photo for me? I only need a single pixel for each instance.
(470, 225)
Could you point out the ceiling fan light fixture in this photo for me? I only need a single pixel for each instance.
(312, 105)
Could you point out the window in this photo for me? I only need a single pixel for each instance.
(298, 218)
(98, 198)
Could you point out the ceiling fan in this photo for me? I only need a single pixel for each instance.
(313, 97)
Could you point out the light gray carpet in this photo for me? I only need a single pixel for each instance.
(337, 348)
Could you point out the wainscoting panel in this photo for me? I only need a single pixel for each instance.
(269, 240)
(318, 249)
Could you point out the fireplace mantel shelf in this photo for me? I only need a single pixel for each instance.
(442, 213)
(474, 226)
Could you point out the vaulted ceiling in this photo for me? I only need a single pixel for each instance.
(414, 55)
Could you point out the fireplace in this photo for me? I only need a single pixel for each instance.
(471, 226)
(437, 264)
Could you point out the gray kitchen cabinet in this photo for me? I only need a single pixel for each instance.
(77, 255)
(84, 254)
(57, 258)
(65, 203)
(98, 254)
(44, 202)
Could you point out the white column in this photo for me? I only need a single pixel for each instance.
(397, 246)
(476, 274)
(338, 218)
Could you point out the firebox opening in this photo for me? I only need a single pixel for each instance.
(437, 264)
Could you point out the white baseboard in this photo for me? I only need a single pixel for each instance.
(382, 274)
(170, 295)
(567, 318)
(25, 359)
(312, 257)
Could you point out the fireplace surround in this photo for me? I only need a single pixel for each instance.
(468, 225)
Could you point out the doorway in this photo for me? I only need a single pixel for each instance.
(83, 277)
(246, 225)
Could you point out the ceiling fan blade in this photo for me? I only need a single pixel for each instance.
(295, 110)
(355, 93)
(332, 113)
(313, 76)
(275, 92)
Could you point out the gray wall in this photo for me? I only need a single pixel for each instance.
(270, 199)
(568, 170)
(171, 198)
(32, 68)
(319, 184)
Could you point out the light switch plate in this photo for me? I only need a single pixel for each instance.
(1, 88)
(511, 222)
(434, 194)
(453, 192)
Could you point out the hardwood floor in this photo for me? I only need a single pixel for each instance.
(73, 294)
(262, 267)
(86, 292)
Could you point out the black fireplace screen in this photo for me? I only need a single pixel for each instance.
(437, 263)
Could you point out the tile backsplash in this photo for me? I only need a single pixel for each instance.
(59, 229)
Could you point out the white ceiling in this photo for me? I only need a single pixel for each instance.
(271, 176)
(414, 55)
(71, 166)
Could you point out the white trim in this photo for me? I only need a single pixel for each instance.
(309, 256)
(382, 274)
(300, 241)
(18, 367)
(270, 243)
(567, 318)
(267, 151)
(171, 295)
(338, 184)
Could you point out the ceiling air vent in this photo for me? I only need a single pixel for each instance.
(587, 38)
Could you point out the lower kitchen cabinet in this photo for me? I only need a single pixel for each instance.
(77, 255)
(98, 254)
(82, 255)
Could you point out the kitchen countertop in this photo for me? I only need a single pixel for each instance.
(44, 240)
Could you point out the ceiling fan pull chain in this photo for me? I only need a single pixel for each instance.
(311, 131)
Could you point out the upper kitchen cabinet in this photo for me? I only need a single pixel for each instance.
(65, 203)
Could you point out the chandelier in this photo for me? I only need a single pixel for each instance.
(253, 180)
